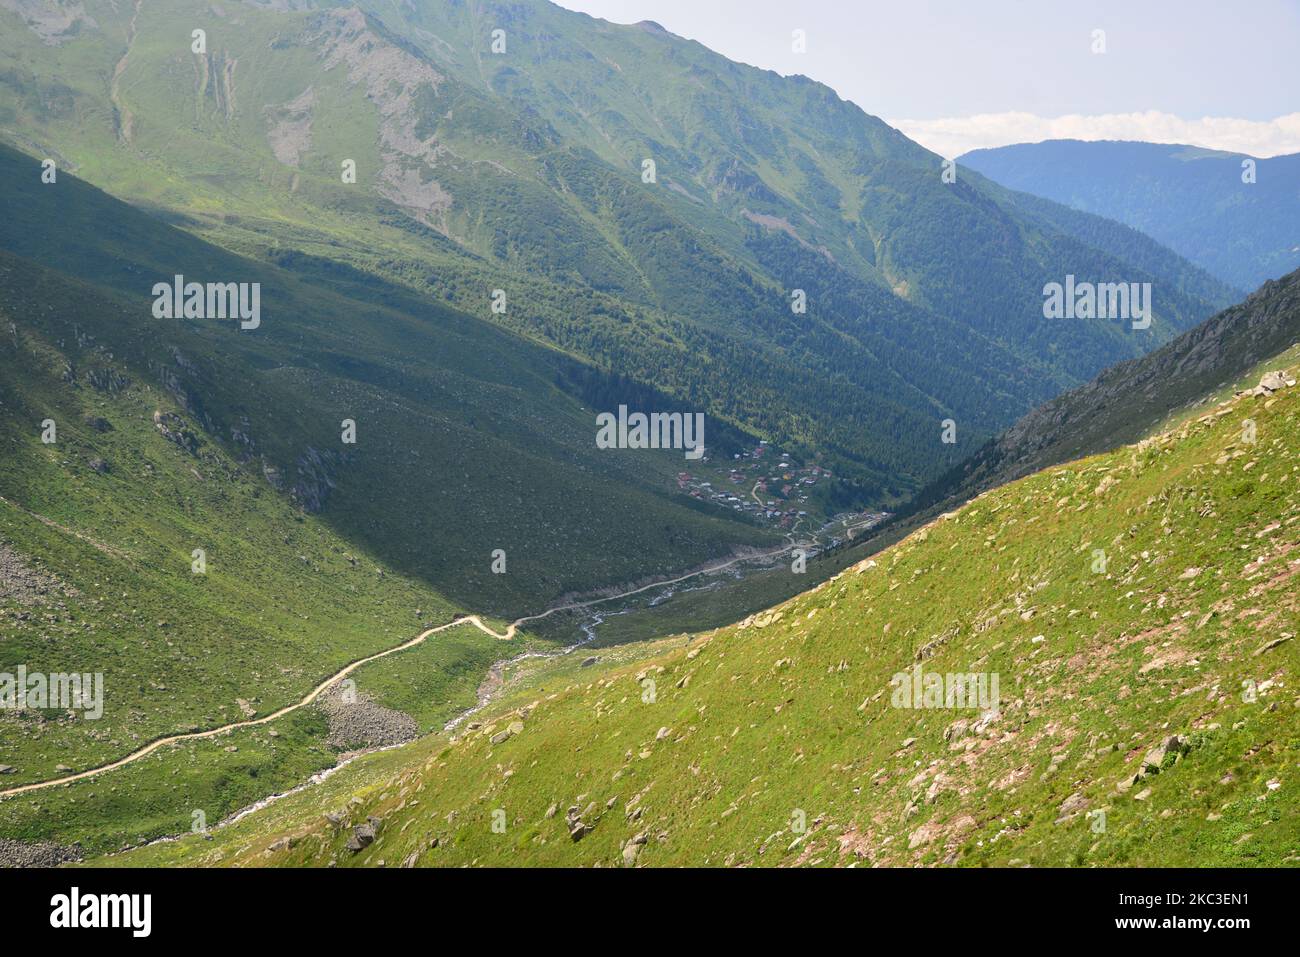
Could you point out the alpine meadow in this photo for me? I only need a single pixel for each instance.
(521, 435)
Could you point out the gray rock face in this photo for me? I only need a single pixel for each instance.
(316, 470)
(175, 429)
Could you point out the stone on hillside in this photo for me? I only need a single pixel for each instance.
(1105, 485)
(1156, 757)
(1269, 646)
(363, 835)
(588, 662)
(1071, 807)
(1273, 382)
(633, 848)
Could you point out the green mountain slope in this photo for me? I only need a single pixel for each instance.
(1193, 200)
(1130, 399)
(1138, 609)
(462, 425)
(521, 171)
(175, 435)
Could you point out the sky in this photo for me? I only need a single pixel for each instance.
(957, 74)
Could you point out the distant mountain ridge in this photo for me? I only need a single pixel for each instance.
(1191, 199)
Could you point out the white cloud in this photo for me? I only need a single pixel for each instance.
(952, 136)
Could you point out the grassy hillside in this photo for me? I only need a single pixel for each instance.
(1138, 608)
(176, 435)
(521, 171)
(1193, 200)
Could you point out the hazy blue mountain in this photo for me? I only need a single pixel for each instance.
(1191, 199)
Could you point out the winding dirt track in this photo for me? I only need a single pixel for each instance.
(510, 632)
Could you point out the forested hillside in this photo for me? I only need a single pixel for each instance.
(640, 202)
(1231, 214)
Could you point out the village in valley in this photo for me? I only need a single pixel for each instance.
(772, 488)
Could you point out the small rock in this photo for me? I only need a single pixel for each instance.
(1072, 806)
(363, 835)
(1269, 646)
(1156, 757)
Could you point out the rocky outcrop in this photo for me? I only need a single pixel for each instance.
(175, 429)
(108, 380)
(397, 78)
(54, 23)
(316, 471)
(1270, 383)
